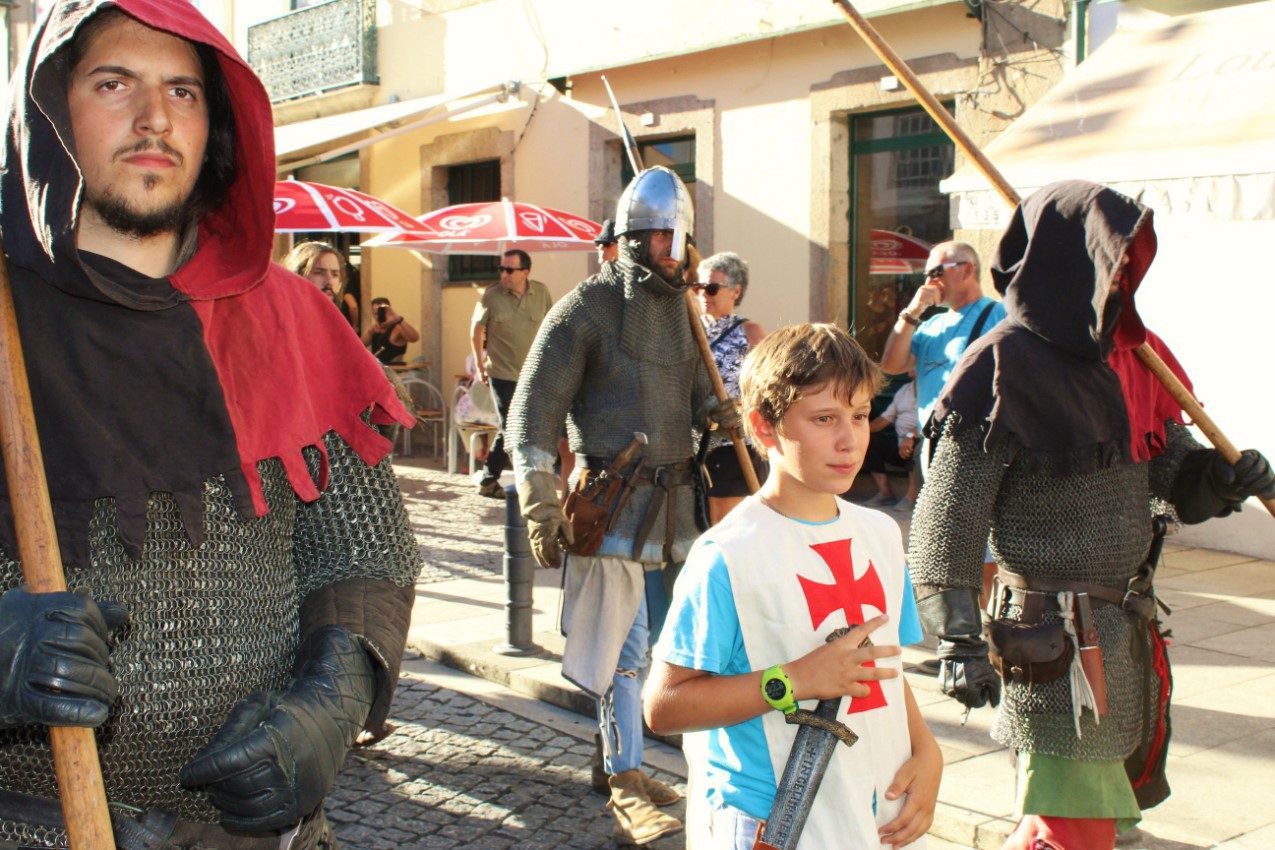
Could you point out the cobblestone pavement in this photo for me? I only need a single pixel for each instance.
(460, 533)
(460, 772)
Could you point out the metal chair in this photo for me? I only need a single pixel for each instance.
(430, 411)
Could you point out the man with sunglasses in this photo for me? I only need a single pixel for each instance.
(934, 346)
(505, 323)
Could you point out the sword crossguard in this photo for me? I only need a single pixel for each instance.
(839, 730)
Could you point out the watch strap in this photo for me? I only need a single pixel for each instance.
(776, 689)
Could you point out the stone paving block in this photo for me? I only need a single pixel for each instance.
(1194, 625)
(1255, 642)
(1242, 579)
(982, 784)
(1204, 671)
(1200, 811)
(1252, 610)
(1193, 560)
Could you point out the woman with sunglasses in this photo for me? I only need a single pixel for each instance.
(723, 282)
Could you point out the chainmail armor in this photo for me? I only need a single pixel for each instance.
(192, 649)
(615, 356)
(1091, 527)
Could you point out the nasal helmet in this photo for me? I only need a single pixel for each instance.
(657, 199)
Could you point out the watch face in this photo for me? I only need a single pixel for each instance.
(776, 689)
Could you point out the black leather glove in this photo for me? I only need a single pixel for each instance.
(1207, 486)
(965, 674)
(278, 754)
(54, 658)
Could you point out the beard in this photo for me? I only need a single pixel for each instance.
(122, 217)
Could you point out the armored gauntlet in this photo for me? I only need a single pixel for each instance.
(547, 525)
(54, 657)
(278, 754)
(1208, 486)
(965, 674)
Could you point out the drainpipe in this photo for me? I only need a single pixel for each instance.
(1082, 30)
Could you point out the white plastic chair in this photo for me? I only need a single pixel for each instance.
(467, 433)
(430, 411)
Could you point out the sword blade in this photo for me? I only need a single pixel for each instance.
(807, 762)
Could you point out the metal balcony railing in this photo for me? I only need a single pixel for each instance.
(316, 49)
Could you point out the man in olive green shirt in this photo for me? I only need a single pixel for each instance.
(505, 323)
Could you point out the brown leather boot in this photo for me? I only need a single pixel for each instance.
(637, 821)
(660, 794)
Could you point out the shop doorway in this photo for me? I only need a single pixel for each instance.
(897, 159)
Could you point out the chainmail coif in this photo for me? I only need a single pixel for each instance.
(1091, 527)
(211, 625)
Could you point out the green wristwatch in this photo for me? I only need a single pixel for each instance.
(777, 690)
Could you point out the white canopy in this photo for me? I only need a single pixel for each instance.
(1180, 115)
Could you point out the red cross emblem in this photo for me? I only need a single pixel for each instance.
(848, 594)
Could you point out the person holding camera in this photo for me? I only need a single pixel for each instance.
(389, 336)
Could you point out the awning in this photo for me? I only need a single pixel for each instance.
(1180, 115)
(324, 138)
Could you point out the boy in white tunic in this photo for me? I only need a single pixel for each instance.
(761, 591)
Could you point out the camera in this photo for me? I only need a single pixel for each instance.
(380, 314)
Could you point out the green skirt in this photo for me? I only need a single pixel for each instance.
(1052, 786)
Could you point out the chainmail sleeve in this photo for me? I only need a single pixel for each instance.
(1163, 469)
(550, 380)
(954, 513)
(357, 562)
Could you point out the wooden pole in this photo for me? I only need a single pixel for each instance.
(1190, 406)
(79, 773)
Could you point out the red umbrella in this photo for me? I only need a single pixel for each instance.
(311, 207)
(897, 253)
(495, 227)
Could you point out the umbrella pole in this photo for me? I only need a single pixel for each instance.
(1190, 406)
(75, 761)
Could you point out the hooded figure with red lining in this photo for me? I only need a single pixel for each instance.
(242, 562)
(1061, 445)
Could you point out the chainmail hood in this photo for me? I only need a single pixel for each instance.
(635, 251)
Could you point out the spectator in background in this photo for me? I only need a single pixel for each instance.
(505, 323)
(723, 282)
(897, 449)
(389, 334)
(608, 250)
(323, 265)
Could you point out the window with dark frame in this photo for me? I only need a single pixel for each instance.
(467, 184)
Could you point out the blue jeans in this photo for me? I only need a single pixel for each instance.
(620, 712)
(732, 829)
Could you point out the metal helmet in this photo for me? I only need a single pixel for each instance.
(657, 199)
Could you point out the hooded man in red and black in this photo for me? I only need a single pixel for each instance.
(224, 506)
(1058, 442)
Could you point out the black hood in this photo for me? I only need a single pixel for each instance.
(1040, 380)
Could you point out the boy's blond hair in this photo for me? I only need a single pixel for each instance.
(800, 359)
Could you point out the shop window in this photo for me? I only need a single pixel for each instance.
(897, 159)
(467, 184)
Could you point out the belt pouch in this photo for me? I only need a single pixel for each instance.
(587, 515)
(1028, 653)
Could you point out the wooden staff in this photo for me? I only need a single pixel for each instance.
(939, 113)
(88, 821)
(710, 363)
